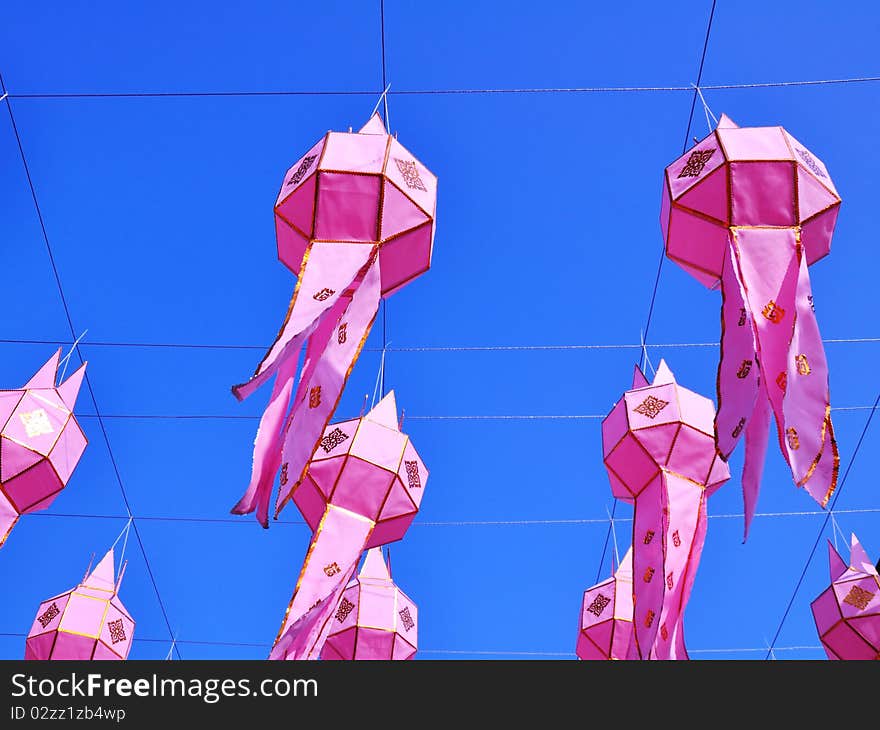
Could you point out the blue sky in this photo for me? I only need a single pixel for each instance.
(158, 211)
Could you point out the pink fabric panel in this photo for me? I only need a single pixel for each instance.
(665, 210)
(299, 207)
(813, 196)
(738, 370)
(709, 197)
(648, 579)
(816, 234)
(713, 157)
(69, 646)
(844, 641)
(614, 426)
(405, 257)
(377, 605)
(867, 584)
(9, 399)
(699, 243)
(36, 424)
(757, 438)
(868, 627)
(83, 615)
(658, 440)
(362, 488)
(45, 611)
(310, 502)
(39, 648)
(762, 194)
(412, 177)
(326, 472)
(696, 410)
(15, 458)
(397, 503)
(809, 161)
(692, 454)
(631, 464)
(354, 152)
(666, 412)
(413, 474)
(321, 385)
(402, 649)
(300, 171)
(348, 207)
(45, 376)
(68, 391)
(118, 642)
(292, 246)
(339, 646)
(374, 644)
(67, 452)
(807, 398)
(8, 518)
(102, 653)
(755, 143)
(34, 488)
(379, 444)
(390, 530)
(399, 213)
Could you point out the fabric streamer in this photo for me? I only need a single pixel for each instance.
(749, 209)
(355, 222)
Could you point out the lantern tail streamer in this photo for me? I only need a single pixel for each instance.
(338, 344)
(684, 532)
(757, 437)
(328, 290)
(333, 555)
(772, 267)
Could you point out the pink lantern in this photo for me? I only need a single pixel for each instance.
(659, 450)
(374, 619)
(748, 209)
(606, 625)
(355, 222)
(847, 614)
(40, 443)
(86, 622)
(362, 489)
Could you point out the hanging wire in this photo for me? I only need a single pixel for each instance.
(706, 110)
(431, 92)
(66, 358)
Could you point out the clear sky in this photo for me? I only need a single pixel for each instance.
(158, 211)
